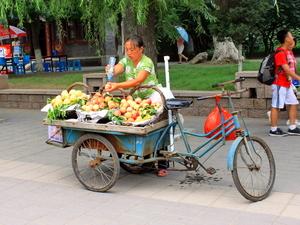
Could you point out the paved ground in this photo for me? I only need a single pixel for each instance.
(38, 185)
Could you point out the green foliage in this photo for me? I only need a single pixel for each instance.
(237, 18)
(182, 77)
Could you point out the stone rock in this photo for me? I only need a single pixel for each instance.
(201, 57)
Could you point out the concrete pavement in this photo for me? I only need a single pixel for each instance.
(38, 186)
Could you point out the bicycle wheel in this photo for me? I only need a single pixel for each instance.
(95, 162)
(137, 168)
(254, 176)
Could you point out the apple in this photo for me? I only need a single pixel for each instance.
(107, 86)
(96, 107)
(53, 101)
(97, 94)
(128, 115)
(130, 120)
(72, 91)
(138, 100)
(117, 113)
(129, 101)
(100, 99)
(135, 115)
(138, 119)
(132, 104)
(73, 97)
(144, 104)
(129, 97)
(136, 107)
(123, 110)
(125, 105)
(64, 92)
(88, 108)
(84, 96)
(112, 105)
(67, 101)
(129, 109)
(107, 98)
(78, 93)
(123, 100)
(102, 105)
(147, 100)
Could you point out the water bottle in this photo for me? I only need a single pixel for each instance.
(110, 73)
(295, 82)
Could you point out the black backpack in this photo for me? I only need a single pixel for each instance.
(266, 74)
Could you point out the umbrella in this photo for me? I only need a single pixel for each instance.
(10, 32)
(183, 33)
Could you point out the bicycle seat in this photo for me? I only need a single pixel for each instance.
(174, 103)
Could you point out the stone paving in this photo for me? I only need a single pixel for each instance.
(38, 186)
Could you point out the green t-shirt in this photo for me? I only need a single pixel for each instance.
(130, 73)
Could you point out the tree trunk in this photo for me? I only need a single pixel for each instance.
(240, 60)
(35, 31)
(225, 51)
(147, 32)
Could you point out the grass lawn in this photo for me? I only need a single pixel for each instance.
(182, 77)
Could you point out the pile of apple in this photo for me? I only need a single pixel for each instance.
(68, 98)
(127, 109)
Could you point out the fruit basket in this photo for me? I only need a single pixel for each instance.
(161, 112)
(122, 111)
(63, 106)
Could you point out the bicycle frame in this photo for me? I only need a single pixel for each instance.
(217, 135)
(232, 123)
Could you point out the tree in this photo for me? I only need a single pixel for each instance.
(29, 11)
(146, 16)
(285, 17)
(236, 19)
(151, 19)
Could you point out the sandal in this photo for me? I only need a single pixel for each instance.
(162, 173)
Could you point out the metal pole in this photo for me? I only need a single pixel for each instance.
(167, 58)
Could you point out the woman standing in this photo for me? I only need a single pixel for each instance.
(139, 69)
(180, 47)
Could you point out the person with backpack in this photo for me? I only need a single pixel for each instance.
(293, 66)
(282, 91)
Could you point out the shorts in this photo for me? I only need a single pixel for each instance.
(180, 49)
(282, 96)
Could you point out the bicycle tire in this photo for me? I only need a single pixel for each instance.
(254, 182)
(95, 162)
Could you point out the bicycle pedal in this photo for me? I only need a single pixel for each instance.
(211, 170)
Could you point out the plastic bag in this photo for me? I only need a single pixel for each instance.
(156, 97)
(214, 119)
(91, 117)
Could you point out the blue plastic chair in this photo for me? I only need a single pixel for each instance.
(20, 67)
(76, 65)
(3, 64)
(60, 66)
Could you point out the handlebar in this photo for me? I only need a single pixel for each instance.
(224, 94)
(228, 82)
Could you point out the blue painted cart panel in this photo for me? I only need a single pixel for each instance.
(139, 145)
